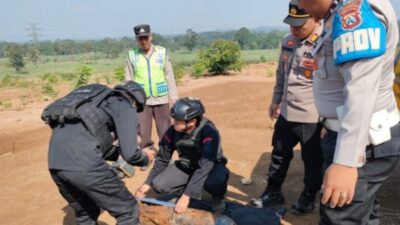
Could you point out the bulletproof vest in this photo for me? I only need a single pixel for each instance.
(189, 147)
(82, 105)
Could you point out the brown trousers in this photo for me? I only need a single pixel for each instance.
(161, 117)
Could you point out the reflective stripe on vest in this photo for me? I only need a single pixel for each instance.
(149, 72)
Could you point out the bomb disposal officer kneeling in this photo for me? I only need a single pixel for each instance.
(201, 163)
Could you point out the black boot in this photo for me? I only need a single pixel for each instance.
(123, 169)
(305, 204)
(217, 204)
(268, 199)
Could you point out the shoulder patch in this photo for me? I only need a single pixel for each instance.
(289, 45)
(313, 38)
(207, 140)
(357, 32)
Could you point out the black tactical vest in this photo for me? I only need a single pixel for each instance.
(82, 105)
(189, 148)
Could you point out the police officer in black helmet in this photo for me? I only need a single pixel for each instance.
(201, 163)
(82, 123)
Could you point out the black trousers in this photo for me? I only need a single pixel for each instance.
(88, 191)
(364, 209)
(173, 180)
(286, 136)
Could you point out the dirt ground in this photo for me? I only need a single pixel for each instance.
(236, 103)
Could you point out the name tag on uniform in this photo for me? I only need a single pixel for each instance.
(357, 32)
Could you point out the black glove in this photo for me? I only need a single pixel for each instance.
(112, 154)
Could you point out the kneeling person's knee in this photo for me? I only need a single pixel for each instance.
(160, 185)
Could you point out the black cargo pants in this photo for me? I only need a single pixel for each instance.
(286, 136)
(88, 191)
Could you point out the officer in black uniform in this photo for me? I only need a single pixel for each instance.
(82, 125)
(201, 163)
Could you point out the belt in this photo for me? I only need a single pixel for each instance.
(334, 125)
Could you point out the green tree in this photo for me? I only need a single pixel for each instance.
(158, 39)
(190, 40)
(221, 57)
(274, 39)
(33, 55)
(88, 47)
(15, 53)
(66, 47)
(85, 72)
(243, 37)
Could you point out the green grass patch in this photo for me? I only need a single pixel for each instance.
(53, 70)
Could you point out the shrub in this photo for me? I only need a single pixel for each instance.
(9, 81)
(68, 76)
(221, 57)
(119, 74)
(179, 72)
(85, 72)
(48, 90)
(50, 77)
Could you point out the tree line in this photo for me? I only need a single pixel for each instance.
(112, 47)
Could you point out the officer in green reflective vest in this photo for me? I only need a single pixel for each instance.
(150, 66)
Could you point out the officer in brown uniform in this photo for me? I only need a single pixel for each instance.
(298, 120)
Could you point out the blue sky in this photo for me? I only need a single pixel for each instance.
(94, 19)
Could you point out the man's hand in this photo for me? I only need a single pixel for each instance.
(142, 190)
(150, 154)
(339, 185)
(273, 111)
(182, 204)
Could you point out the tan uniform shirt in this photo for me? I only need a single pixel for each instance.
(294, 79)
(170, 78)
(361, 86)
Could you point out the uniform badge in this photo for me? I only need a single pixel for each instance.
(291, 43)
(293, 10)
(309, 63)
(357, 32)
(308, 73)
(308, 60)
(350, 14)
(314, 38)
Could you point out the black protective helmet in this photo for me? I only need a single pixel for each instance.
(187, 109)
(134, 91)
